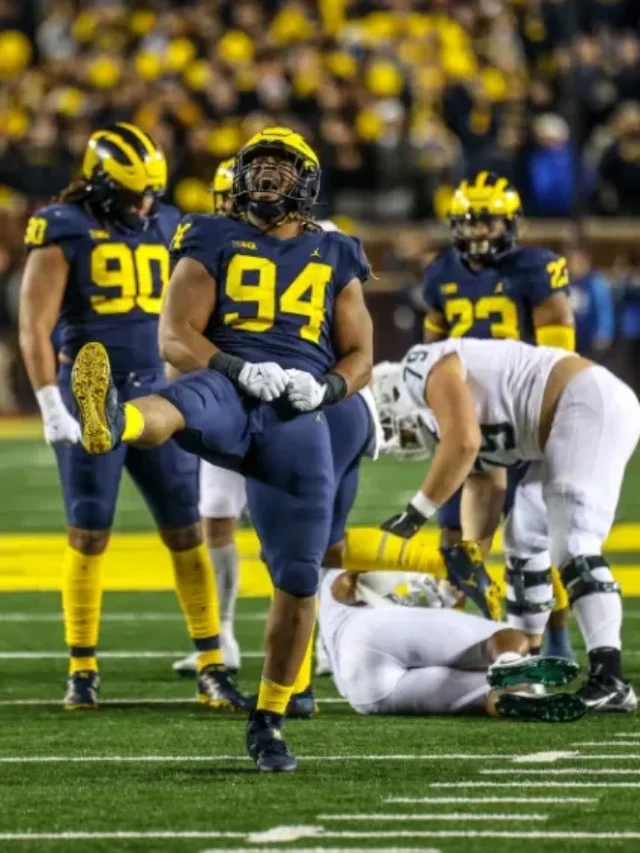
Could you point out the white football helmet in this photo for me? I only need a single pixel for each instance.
(406, 431)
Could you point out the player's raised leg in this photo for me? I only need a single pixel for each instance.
(595, 430)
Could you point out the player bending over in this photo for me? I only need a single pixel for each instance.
(265, 314)
(487, 286)
(494, 404)
(98, 264)
(392, 659)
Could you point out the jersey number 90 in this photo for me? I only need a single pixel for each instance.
(130, 278)
(305, 296)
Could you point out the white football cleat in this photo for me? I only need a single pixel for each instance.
(323, 664)
(188, 667)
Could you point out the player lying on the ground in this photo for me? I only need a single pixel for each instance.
(485, 285)
(392, 659)
(97, 266)
(265, 315)
(494, 404)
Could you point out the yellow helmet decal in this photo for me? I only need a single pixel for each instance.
(486, 193)
(288, 139)
(128, 156)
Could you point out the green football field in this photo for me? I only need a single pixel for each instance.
(152, 771)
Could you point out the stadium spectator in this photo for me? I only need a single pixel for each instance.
(619, 168)
(592, 303)
(551, 167)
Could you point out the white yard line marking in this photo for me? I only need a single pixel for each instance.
(284, 833)
(125, 834)
(627, 734)
(490, 800)
(119, 616)
(319, 850)
(543, 757)
(457, 816)
(600, 771)
(620, 743)
(519, 785)
(79, 759)
(534, 835)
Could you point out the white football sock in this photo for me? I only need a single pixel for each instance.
(226, 563)
(599, 617)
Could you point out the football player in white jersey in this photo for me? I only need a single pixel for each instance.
(494, 404)
(390, 659)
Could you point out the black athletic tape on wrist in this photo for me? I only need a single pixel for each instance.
(336, 388)
(229, 365)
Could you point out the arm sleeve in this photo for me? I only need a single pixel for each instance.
(353, 262)
(199, 238)
(549, 275)
(431, 288)
(57, 225)
(420, 361)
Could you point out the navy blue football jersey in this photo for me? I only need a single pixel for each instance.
(274, 298)
(498, 300)
(115, 285)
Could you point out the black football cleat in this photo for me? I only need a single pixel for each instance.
(554, 708)
(606, 694)
(302, 706)
(266, 746)
(467, 572)
(551, 672)
(82, 691)
(217, 689)
(100, 413)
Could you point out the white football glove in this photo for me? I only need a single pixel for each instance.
(304, 392)
(265, 380)
(60, 427)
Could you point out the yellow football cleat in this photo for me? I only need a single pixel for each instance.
(101, 418)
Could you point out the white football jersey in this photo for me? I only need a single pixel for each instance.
(507, 380)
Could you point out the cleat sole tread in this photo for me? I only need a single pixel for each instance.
(90, 383)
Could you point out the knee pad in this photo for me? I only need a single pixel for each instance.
(90, 514)
(529, 595)
(300, 579)
(586, 576)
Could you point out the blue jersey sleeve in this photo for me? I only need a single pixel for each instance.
(547, 274)
(201, 237)
(431, 282)
(57, 224)
(352, 262)
(168, 219)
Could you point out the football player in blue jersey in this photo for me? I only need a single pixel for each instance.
(97, 267)
(265, 314)
(487, 286)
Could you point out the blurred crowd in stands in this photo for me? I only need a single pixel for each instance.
(401, 98)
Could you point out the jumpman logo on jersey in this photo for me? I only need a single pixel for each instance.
(315, 253)
(499, 287)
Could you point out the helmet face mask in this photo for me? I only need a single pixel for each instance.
(126, 175)
(483, 216)
(406, 434)
(276, 176)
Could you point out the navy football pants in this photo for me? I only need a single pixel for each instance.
(288, 459)
(166, 476)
